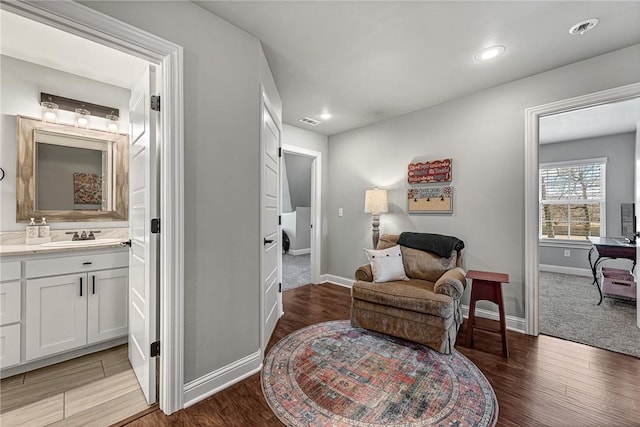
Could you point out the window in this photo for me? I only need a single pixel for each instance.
(572, 199)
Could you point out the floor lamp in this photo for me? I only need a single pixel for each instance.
(375, 203)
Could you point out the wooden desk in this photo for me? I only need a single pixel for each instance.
(609, 248)
(487, 286)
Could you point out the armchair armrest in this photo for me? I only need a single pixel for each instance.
(451, 283)
(364, 273)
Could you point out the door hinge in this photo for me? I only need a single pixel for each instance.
(279, 151)
(155, 102)
(155, 225)
(155, 349)
(279, 219)
(279, 287)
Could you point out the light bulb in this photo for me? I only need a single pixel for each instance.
(49, 112)
(82, 118)
(112, 123)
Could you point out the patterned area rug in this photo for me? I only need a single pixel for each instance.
(332, 374)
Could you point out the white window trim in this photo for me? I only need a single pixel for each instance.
(597, 160)
(602, 202)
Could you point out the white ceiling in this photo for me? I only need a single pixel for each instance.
(367, 61)
(34, 42)
(591, 122)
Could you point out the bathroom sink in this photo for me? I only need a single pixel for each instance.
(80, 243)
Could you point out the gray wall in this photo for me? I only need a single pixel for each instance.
(484, 134)
(620, 152)
(223, 71)
(299, 179)
(292, 135)
(20, 84)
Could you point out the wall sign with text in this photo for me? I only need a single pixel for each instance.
(430, 200)
(427, 172)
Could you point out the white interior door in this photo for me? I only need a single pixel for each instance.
(270, 209)
(142, 254)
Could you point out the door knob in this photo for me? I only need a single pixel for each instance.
(267, 241)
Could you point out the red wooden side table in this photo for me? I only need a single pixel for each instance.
(487, 286)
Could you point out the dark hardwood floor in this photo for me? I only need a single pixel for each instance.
(545, 382)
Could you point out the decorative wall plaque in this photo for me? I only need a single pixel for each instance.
(428, 172)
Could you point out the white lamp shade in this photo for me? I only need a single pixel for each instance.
(375, 201)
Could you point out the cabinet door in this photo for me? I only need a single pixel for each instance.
(9, 345)
(56, 314)
(108, 301)
(10, 302)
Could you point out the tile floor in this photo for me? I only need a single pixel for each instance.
(98, 390)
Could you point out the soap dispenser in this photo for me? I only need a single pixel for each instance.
(43, 229)
(32, 229)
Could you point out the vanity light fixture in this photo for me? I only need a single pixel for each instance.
(490, 53)
(83, 110)
(49, 111)
(112, 122)
(82, 118)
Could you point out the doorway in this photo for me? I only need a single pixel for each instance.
(586, 166)
(533, 212)
(91, 25)
(301, 177)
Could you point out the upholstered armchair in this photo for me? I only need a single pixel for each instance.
(425, 306)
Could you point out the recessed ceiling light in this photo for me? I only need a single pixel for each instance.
(490, 53)
(326, 115)
(582, 27)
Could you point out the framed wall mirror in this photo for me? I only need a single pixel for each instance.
(69, 174)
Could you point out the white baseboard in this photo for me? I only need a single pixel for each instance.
(566, 270)
(516, 324)
(337, 280)
(299, 251)
(210, 384)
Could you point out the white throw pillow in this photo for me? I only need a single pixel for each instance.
(386, 264)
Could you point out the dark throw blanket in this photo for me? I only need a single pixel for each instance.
(436, 243)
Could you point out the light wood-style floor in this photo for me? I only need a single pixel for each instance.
(98, 390)
(545, 382)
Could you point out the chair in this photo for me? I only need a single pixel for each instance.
(424, 309)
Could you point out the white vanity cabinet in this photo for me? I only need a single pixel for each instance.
(10, 313)
(74, 301)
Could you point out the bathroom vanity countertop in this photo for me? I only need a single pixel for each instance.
(7, 250)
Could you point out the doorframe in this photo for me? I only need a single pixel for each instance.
(316, 205)
(93, 25)
(531, 177)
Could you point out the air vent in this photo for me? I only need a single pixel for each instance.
(309, 121)
(582, 27)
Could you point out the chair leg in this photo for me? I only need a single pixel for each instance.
(472, 313)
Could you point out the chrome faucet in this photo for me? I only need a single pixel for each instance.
(83, 235)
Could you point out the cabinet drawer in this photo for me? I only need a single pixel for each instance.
(77, 263)
(9, 345)
(9, 302)
(10, 270)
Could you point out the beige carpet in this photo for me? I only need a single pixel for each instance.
(296, 270)
(569, 309)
